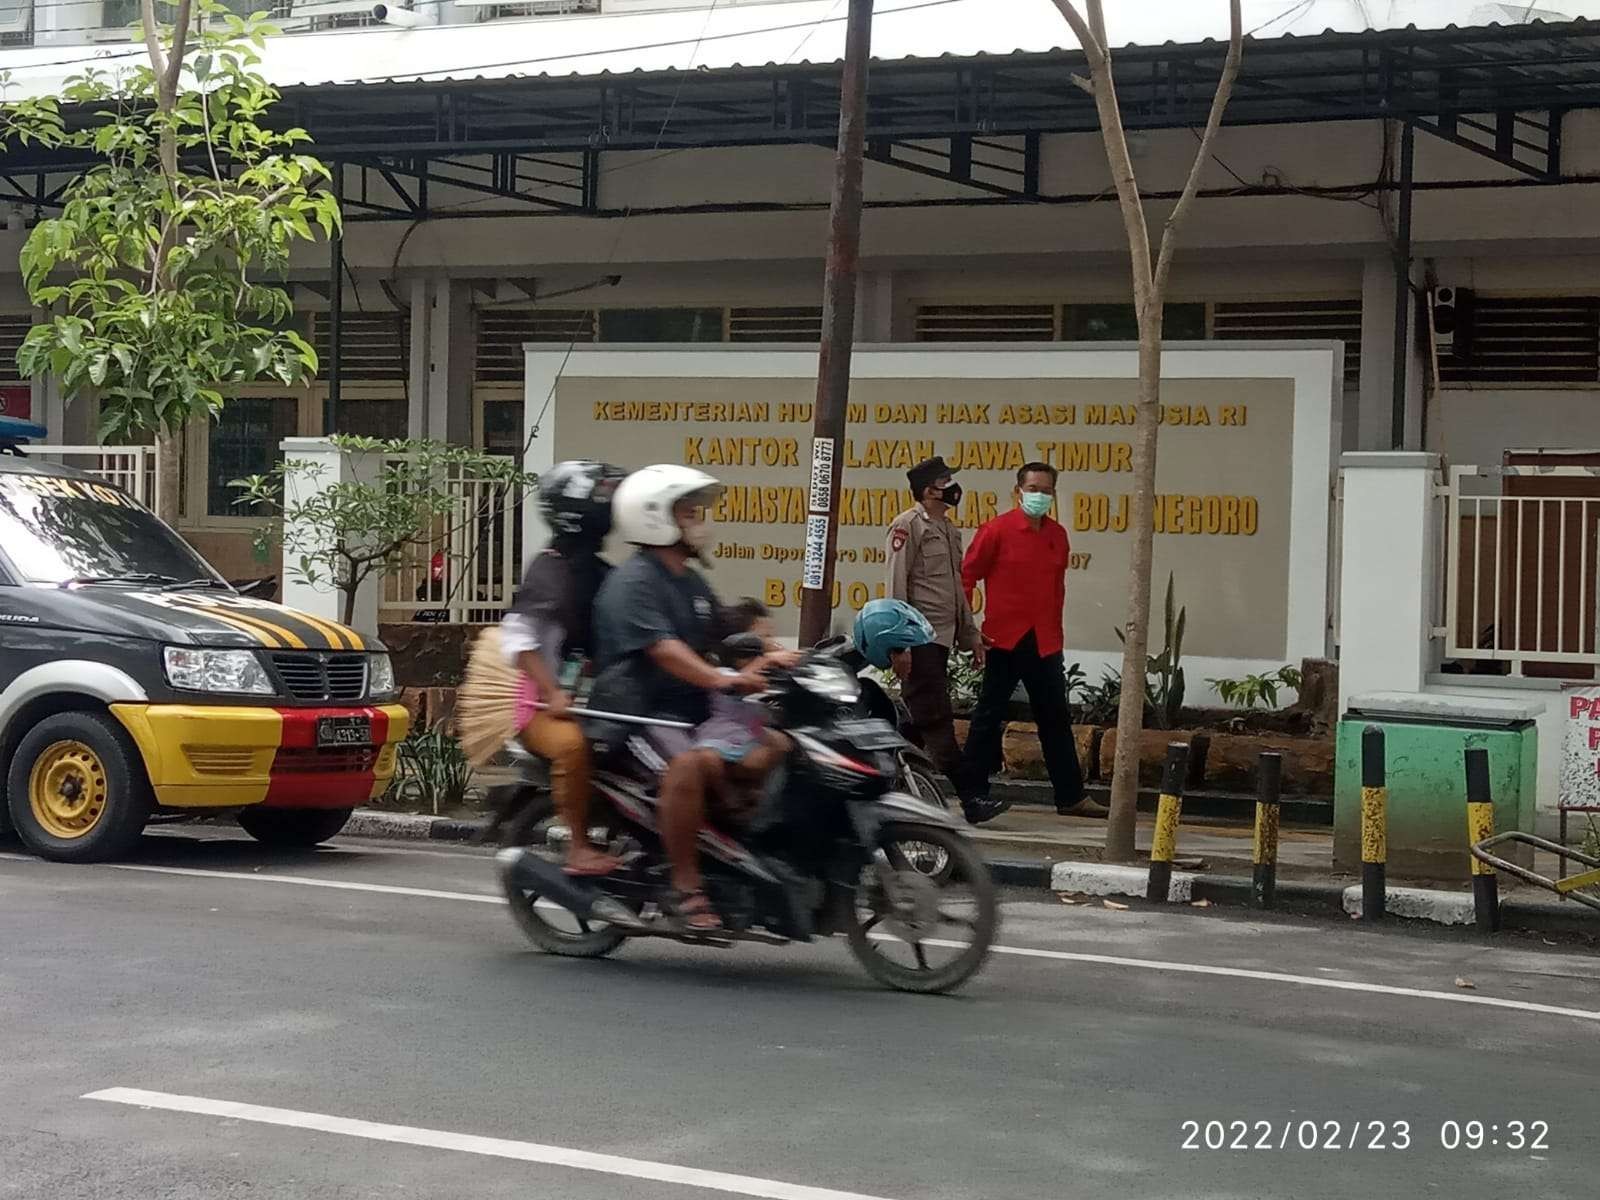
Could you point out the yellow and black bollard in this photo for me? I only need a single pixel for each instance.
(1264, 851)
(1480, 827)
(1374, 825)
(1164, 843)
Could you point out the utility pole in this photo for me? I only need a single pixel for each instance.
(838, 332)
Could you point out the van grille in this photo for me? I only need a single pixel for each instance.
(323, 677)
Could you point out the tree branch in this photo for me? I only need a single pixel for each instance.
(1230, 72)
(1115, 139)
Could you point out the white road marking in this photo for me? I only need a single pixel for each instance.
(341, 885)
(1108, 960)
(471, 1143)
(1341, 985)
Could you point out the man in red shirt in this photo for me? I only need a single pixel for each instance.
(1021, 558)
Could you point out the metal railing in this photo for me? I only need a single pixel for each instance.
(131, 468)
(467, 569)
(1521, 549)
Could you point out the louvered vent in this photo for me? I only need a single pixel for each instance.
(1273, 320)
(373, 347)
(502, 332)
(1529, 341)
(775, 324)
(986, 323)
(13, 329)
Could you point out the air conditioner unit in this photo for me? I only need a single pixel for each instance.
(1452, 322)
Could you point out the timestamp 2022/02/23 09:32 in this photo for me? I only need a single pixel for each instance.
(1333, 1135)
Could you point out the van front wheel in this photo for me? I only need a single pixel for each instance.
(76, 790)
(293, 827)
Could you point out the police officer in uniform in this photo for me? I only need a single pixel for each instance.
(924, 551)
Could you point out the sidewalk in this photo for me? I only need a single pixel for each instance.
(1029, 833)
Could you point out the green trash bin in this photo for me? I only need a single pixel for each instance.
(1426, 737)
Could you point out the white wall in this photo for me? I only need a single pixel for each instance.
(1476, 426)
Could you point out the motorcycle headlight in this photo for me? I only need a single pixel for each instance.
(236, 671)
(831, 682)
(380, 675)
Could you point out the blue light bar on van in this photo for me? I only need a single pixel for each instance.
(15, 432)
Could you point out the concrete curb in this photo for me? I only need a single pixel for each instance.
(1434, 905)
(409, 827)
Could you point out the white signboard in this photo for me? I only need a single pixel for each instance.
(1580, 747)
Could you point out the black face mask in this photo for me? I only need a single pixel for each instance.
(952, 495)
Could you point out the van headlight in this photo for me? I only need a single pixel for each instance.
(238, 672)
(380, 675)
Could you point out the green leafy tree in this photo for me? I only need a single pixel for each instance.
(155, 271)
(396, 505)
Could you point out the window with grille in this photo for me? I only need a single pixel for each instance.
(1288, 320)
(986, 323)
(661, 325)
(1120, 323)
(373, 347)
(246, 438)
(502, 333)
(1523, 341)
(486, 10)
(13, 330)
(775, 324)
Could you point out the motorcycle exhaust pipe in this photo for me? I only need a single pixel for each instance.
(549, 881)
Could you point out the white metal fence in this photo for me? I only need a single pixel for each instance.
(132, 468)
(1521, 550)
(467, 569)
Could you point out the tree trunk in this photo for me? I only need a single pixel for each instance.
(168, 468)
(1121, 823)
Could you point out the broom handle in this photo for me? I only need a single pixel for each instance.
(624, 718)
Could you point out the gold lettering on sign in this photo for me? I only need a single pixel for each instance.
(1087, 456)
(963, 414)
(1038, 414)
(987, 456)
(677, 412)
(741, 452)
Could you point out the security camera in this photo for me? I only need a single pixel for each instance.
(387, 14)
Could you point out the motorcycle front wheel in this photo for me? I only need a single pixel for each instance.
(927, 858)
(920, 933)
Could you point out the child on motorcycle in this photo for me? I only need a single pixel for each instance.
(551, 621)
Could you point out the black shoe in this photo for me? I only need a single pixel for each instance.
(979, 809)
(1083, 808)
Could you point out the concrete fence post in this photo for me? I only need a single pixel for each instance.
(324, 466)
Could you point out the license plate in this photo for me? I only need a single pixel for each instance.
(871, 735)
(344, 731)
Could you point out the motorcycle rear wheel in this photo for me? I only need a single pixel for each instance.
(590, 940)
(970, 933)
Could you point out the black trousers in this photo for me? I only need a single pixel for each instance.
(1046, 685)
(927, 696)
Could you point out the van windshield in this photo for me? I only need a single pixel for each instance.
(57, 530)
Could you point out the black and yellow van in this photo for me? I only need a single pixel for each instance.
(135, 681)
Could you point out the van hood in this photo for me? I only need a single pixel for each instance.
(197, 618)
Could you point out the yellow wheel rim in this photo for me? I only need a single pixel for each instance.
(67, 790)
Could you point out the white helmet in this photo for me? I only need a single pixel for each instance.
(641, 510)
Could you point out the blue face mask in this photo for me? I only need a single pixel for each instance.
(1036, 504)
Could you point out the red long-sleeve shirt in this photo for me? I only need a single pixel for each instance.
(1024, 571)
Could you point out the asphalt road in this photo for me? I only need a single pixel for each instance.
(241, 1032)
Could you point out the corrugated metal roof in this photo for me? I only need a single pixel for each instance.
(757, 35)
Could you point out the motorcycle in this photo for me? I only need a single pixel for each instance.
(518, 808)
(823, 855)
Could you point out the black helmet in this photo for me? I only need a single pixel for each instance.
(575, 498)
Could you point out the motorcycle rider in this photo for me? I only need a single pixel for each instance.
(550, 622)
(657, 621)
(886, 631)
